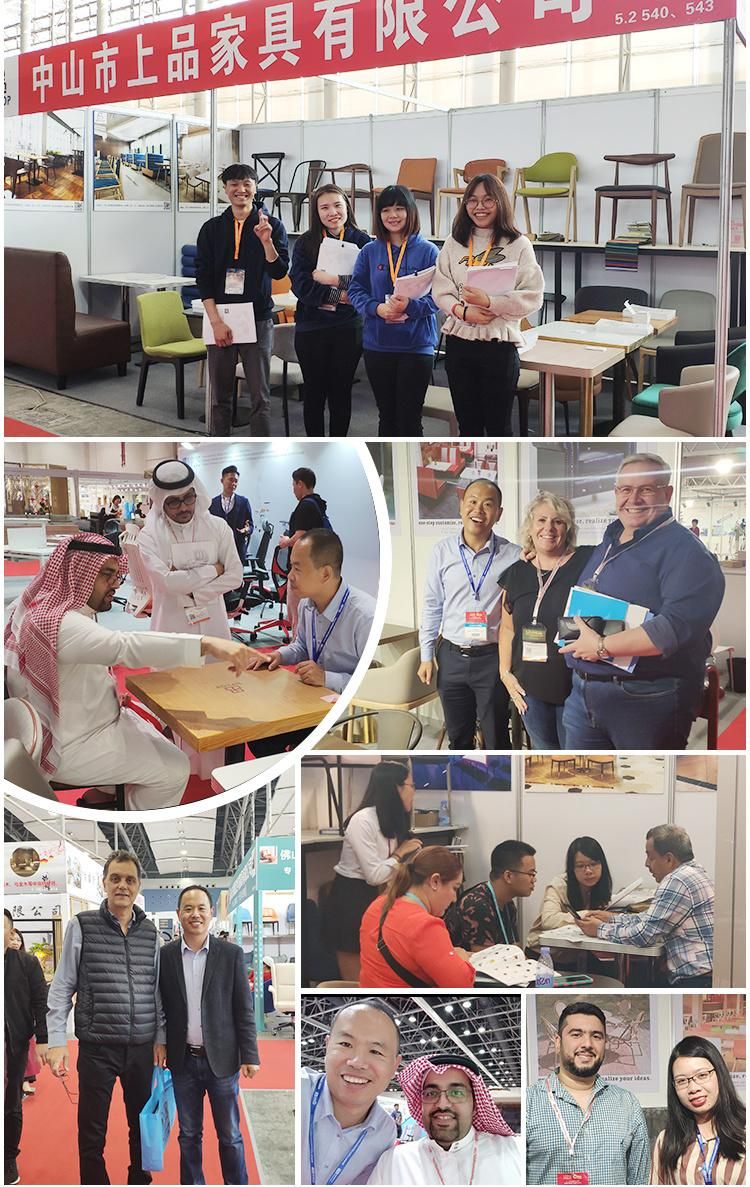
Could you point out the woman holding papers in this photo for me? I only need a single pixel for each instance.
(390, 288)
(703, 1140)
(403, 939)
(535, 596)
(585, 886)
(328, 331)
(484, 309)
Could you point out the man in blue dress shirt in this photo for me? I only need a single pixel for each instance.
(461, 618)
(344, 1129)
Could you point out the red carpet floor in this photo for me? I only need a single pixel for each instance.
(49, 1152)
(17, 428)
(734, 736)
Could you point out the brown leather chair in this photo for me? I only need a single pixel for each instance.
(706, 178)
(43, 329)
(471, 169)
(620, 191)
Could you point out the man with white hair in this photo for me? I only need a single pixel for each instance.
(190, 554)
(646, 559)
(468, 1140)
(58, 658)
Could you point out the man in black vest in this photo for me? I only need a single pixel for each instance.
(110, 960)
(235, 509)
(210, 1035)
(25, 1016)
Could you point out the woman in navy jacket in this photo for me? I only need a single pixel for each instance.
(400, 334)
(328, 334)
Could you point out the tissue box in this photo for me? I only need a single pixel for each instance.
(426, 817)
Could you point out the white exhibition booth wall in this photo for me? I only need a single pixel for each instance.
(132, 239)
(549, 820)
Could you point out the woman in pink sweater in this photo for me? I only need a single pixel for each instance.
(403, 940)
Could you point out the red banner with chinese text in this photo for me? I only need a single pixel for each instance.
(264, 40)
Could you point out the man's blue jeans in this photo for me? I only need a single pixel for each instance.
(190, 1086)
(630, 715)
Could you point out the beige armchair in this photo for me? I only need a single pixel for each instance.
(684, 411)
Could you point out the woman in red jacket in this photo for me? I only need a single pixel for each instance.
(403, 940)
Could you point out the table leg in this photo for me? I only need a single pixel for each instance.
(587, 409)
(125, 303)
(578, 266)
(547, 409)
(233, 754)
(618, 392)
(558, 285)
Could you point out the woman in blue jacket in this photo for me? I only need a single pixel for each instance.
(400, 334)
(328, 333)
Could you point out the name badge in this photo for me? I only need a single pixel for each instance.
(234, 282)
(573, 1177)
(475, 626)
(196, 615)
(534, 638)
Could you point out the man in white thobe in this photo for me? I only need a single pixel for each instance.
(468, 1139)
(190, 554)
(58, 658)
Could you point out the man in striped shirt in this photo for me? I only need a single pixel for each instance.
(681, 916)
(580, 1128)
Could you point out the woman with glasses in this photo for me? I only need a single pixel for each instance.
(403, 939)
(585, 886)
(377, 839)
(400, 333)
(703, 1140)
(483, 324)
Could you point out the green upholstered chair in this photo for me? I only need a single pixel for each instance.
(646, 403)
(554, 176)
(166, 338)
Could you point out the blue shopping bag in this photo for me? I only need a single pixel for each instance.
(157, 1119)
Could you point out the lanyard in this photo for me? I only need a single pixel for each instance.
(477, 261)
(498, 912)
(707, 1170)
(593, 580)
(544, 586)
(476, 589)
(334, 1175)
(415, 899)
(238, 226)
(395, 271)
(318, 650)
(473, 1162)
(569, 1142)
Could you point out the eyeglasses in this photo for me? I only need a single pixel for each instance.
(528, 873)
(648, 492)
(187, 500)
(477, 203)
(700, 1078)
(587, 865)
(113, 579)
(432, 1093)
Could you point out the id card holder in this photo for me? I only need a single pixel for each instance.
(573, 1177)
(475, 626)
(234, 282)
(196, 615)
(534, 639)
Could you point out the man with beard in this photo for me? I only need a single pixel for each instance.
(468, 1139)
(579, 1127)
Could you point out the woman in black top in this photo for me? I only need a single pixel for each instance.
(536, 592)
(328, 330)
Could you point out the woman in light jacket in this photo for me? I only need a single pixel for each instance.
(482, 331)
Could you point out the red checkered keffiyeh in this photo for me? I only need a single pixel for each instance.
(487, 1117)
(65, 583)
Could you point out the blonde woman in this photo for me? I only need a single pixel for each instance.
(535, 593)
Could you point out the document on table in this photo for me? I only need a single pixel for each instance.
(494, 280)
(646, 313)
(506, 963)
(630, 895)
(415, 285)
(240, 318)
(626, 329)
(568, 931)
(588, 603)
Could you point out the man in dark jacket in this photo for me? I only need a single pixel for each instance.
(210, 1035)
(310, 512)
(110, 960)
(25, 1016)
(234, 509)
(239, 253)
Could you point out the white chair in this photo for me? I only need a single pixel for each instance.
(695, 311)
(396, 729)
(396, 686)
(140, 601)
(283, 987)
(439, 405)
(684, 411)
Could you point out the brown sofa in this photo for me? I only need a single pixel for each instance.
(43, 329)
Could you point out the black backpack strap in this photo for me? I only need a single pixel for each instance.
(399, 969)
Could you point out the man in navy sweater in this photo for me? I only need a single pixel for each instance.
(239, 253)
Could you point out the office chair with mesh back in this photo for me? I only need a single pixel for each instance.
(254, 569)
(259, 593)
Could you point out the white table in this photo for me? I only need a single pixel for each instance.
(568, 358)
(126, 281)
(593, 944)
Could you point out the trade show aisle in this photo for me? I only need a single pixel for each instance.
(49, 1123)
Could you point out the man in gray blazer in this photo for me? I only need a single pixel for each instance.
(210, 1035)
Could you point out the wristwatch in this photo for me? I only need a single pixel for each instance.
(601, 649)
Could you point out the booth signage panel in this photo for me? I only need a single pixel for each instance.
(275, 863)
(84, 874)
(243, 883)
(34, 867)
(262, 41)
